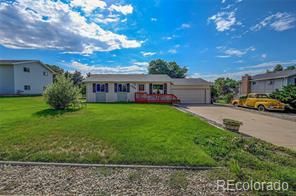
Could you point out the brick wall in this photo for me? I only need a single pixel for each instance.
(245, 85)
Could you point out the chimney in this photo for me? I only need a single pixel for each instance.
(246, 85)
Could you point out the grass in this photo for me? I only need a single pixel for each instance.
(136, 134)
(99, 133)
(249, 159)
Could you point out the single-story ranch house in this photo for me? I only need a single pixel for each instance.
(24, 77)
(126, 87)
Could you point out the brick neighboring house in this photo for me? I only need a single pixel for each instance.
(267, 82)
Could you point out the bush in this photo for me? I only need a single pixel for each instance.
(62, 94)
(286, 95)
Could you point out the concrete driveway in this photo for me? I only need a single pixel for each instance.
(271, 129)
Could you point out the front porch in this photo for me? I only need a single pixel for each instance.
(155, 98)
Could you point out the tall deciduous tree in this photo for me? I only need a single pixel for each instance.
(172, 69)
(291, 67)
(278, 67)
(225, 87)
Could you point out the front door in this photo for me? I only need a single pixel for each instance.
(122, 97)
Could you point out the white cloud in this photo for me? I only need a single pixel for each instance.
(223, 56)
(89, 5)
(224, 20)
(185, 26)
(63, 29)
(167, 38)
(280, 21)
(234, 75)
(269, 64)
(223, 1)
(148, 53)
(135, 68)
(172, 51)
(105, 20)
(142, 64)
(234, 52)
(263, 56)
(124, 9)
(153, 19)
(251, 70)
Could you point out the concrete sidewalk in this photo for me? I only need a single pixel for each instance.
(271, 129)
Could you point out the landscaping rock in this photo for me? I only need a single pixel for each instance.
(36, 180)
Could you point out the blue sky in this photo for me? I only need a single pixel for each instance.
(212, 38)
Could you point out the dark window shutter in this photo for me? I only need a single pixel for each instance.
(115, 87)
(128, 87)
(165, 90)
(106, 88)
(94, 87)
(150, 88)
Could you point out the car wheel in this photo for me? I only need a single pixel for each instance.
(261, 108)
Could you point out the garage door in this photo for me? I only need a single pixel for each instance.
(190, 95)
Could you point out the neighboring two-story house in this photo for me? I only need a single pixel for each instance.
(267, 82)
(24, 77)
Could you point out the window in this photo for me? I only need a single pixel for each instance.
(254, 83)
(122, 87)
(158, 89)
(44, 88)
(295, 81)
(26, 69)
(141, 87)
(102, 87)
(45, 73)
(261, 96)
(27, 87)
(270, 82)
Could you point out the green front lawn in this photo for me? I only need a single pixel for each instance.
(136, 134)
(99, 133)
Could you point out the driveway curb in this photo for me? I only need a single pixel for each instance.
(85, 165)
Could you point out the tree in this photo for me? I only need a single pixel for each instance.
(62, 94)
(56, 69)
(172, 69)
(286, 95)
(291, 67)
(76, 77)
(225, 88)
(278, 67)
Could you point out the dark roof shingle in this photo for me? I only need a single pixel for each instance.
(273, 75)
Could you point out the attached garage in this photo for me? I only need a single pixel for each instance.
(192, 90)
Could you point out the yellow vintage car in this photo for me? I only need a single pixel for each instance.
(259, 101)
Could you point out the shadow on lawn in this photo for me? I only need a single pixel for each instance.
(53, 112)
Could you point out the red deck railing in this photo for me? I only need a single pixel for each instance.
(155, 98)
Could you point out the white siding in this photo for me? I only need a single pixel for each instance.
(111, 96)
(6, 79)
(264, 86)
(34, 78)
(90, 96)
